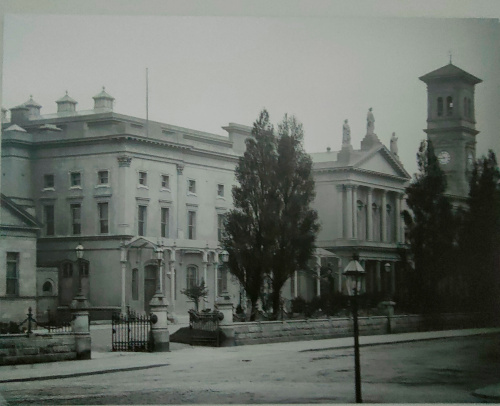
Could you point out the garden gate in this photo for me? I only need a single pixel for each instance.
(131, 332)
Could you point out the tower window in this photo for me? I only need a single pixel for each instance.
(449, 106)
(440, 106)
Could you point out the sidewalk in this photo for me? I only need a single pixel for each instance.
(109, 362)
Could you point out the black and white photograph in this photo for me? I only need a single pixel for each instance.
(249, 202)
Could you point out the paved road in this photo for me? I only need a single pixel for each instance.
(444, 370)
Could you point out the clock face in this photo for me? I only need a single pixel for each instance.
(444, 157)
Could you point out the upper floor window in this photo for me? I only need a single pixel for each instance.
(165, 182)
(76, 220)
(103, 177)
(191, 225)
(141, 217)
(143, 178)
(449, 106)
(103, 209)
(164, 222)
(48, 181)
(191, 186)
(49, 219)
(75, 179)
(12, 287)
(440, 106)
(220, 190)
(84, 268)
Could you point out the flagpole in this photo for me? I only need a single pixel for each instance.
(147, 104)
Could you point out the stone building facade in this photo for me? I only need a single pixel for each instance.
(146, 198)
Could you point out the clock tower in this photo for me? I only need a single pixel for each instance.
(451, 125)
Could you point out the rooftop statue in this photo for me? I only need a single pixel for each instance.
(346, 133)
(370, 122)
(394, 144)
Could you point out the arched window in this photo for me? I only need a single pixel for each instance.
(48, 287)
(449, 106)
(84, 268)
(191, 276)
(440, 106)
(67, 270)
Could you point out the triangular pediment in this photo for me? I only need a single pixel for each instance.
(15, 216)
(381, 161)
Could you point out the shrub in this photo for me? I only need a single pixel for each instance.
(298, 305)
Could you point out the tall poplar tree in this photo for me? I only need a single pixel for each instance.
(271, 231)
(250, 226)
(432, 231)
(297, 223)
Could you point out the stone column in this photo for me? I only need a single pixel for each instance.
(216, 274)
(383, 216)
(205, 265)
(123, 201)
(369, 218)
(378, 276)
(295, 284)
(123, 262)
(348, 213)
(354, 212)
(340, 211)
(181, 207)
(159, 329)
(339, 276)
(401, 220)
(81, 328)
(397, 219)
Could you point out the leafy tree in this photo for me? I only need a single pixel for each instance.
(250, 225)
(480, 236)
(432, 231)
(270, 233)
(196, 293)
(296, 222)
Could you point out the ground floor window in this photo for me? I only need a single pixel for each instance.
(12, 287)
(191, 277)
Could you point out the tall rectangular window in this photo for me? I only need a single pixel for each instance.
(48, 181)
(143, 178)
(220, 190)
(75, 179)
(141, 216)
(135, 284)
(220, 226)
(76, 220)
(221, 280)
(103, 210)
(12, 287)
(49, 220)
(164, 222)
(165, 182)
(103, 177)
(191, 186)
(191, 225)
(191, 277)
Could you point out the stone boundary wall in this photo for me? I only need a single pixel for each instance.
(21, 349)
(315, 329)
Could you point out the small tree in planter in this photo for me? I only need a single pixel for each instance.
(196, 293)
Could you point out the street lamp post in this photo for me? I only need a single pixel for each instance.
(159, 258)
(354, 273)
(79, 301)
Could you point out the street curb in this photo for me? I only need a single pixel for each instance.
(77, 374)
(408, 340)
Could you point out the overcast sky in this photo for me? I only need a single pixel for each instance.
(205, 72)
